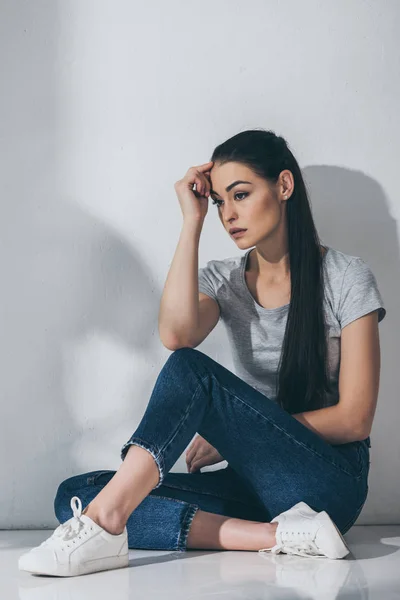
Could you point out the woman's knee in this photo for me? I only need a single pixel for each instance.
(186, 359)
(183, 355)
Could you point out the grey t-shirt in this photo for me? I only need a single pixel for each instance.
(256, 333)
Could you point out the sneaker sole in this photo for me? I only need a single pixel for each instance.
(341, 549)
(93, 566)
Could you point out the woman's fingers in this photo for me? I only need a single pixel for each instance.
(207, 184)
(194, 458)
(199, 454)
(203, 179)
(198, 461)
(192, 466)
(190, 453)
(205, 167)
(196, 466)
(189, 461)
(201, 187)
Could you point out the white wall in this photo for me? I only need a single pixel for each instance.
(104, 105)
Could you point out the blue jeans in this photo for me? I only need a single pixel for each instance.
(274, 461)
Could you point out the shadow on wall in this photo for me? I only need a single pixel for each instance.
(352, 214)
(78, 309)
(69, 284)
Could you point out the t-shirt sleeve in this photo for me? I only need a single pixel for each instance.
(208, 281)
(360, 294)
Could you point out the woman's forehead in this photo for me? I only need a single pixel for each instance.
(224, 176)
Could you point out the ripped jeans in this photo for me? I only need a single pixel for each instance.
(274, 461)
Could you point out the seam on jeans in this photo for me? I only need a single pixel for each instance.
(228, 497)
(361, 459)
(298, 442)
(168, 498)
(188, 517)
(180, 423)
(214, 494)
(351, 522)
(91, 480)
(365, 457)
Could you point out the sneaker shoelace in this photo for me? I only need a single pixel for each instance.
(68, 531)
(295, 542)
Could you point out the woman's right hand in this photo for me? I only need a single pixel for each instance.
(194, 203)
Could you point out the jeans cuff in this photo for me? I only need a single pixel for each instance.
(187, 521)
(134, 441)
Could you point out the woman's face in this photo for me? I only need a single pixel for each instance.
(256, 206)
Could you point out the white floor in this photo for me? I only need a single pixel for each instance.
(372, 571)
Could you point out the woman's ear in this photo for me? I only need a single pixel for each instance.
(286, 184)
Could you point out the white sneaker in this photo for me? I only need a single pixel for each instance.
(77, 547)
(305, 532)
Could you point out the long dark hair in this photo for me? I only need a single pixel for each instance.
(302, 377)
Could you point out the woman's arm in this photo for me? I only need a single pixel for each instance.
(331, 423)
(179, 307)
(351, 419)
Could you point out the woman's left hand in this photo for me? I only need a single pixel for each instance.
(201, 454)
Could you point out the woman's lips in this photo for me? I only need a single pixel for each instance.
(238, 233)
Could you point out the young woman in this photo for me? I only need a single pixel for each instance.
(293, 423)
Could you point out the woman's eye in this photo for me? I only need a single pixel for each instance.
(219, 202)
